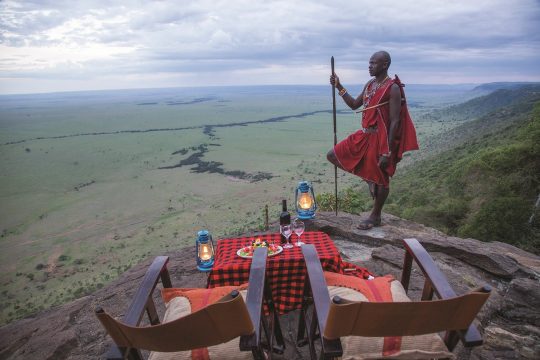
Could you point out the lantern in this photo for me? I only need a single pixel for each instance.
(305, 201)
(204, 247)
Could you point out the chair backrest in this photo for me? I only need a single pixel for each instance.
(378, 319)
(214, 324)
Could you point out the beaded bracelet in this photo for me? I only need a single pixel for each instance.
(342, 92)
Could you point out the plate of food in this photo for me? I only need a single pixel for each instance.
(247, 251)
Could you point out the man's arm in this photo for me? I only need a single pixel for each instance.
(394, 111)
(348, 99)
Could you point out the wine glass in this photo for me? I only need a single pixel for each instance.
(298, 228)
(286, 230)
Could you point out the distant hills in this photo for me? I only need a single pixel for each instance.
(502, 85)
(481, 116)
(482, 178)
(497, 99)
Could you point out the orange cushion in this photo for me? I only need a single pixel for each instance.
(386, 288)
(182, 302)
(199, 298)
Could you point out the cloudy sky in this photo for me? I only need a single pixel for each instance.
(64, 45)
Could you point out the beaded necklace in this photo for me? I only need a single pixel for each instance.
(371, 90)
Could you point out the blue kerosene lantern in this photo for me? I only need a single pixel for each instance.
(205, 251)
(305, 201)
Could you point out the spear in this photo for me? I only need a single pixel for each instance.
(335, 131)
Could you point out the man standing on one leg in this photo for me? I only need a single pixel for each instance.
(373, 152)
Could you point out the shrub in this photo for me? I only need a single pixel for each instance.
(499, 219)
(63, 257)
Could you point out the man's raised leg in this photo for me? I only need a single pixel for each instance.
(331, 156)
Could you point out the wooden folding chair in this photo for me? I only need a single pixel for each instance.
(392, 325)
(214, 329)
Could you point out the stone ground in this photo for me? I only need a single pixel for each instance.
(510, 321)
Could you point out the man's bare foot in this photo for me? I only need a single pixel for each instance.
(369, 223)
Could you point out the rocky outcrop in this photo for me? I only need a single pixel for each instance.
(71, 331)
(510, 321)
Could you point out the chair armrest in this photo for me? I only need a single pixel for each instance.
(254, 299)
(156, 271)
(436, 281)
(431, 271)
(143, 301)
(321, 298)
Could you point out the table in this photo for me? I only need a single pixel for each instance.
(285, 271)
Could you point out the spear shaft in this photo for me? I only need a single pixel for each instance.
(335, 131)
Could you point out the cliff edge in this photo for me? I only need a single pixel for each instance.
(510, 321)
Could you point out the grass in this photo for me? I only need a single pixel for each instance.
(485, 186)
(77, 211)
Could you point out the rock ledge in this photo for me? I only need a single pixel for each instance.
(510, 321)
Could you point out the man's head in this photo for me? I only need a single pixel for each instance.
(379, 63)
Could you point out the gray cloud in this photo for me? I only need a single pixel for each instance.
(222, 41)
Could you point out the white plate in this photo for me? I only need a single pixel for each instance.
(279, 249)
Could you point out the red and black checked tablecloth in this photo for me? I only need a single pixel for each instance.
(285, 271)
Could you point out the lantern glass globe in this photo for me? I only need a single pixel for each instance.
(304, 201)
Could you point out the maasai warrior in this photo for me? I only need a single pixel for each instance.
(373, 152)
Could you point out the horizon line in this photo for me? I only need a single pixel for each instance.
(248, 86)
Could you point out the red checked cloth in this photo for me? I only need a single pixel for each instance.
(285, 271)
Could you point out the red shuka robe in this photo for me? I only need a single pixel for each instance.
(359, 153)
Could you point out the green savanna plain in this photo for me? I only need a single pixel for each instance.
(89, 187)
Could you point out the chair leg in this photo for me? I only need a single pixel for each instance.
(280, 342)
(151, 312)
(279, 347)
(312, 333)
(258, 354)
(301, 339)
(451, 339)
(427, 292)
(307, 329)
(135, 354)
(122, 353)
(268, 333)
